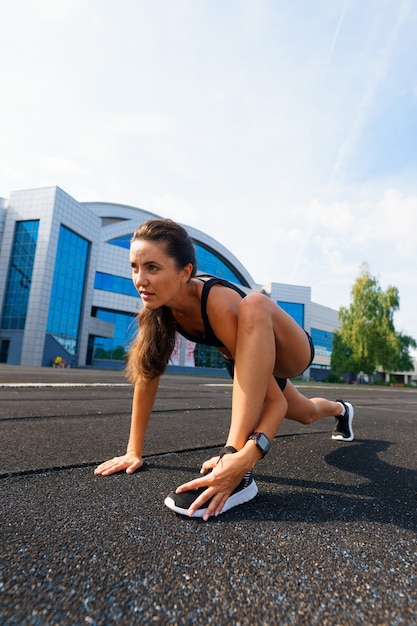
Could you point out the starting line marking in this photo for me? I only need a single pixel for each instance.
(217, 384)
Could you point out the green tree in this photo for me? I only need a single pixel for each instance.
(367, 338)
(342, 359)
(404, 362)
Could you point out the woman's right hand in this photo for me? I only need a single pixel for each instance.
(130, 462)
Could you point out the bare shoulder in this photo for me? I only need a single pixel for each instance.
(222, 299)
(222, 309)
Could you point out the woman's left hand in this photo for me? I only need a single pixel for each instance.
(225, 477)
(209, 465)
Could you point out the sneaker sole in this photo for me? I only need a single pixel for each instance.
(234, 500)
(350, 420)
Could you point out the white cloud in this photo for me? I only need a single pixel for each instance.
(255, 122)
(173, 207)
(135, 122)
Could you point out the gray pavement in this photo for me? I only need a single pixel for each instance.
(330, 539)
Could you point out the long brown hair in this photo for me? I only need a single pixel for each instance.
(152, 348)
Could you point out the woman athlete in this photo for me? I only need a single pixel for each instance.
(261, 344)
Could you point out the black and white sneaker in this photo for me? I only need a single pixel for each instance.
(343, 426)
(181, 502)
(245, 491)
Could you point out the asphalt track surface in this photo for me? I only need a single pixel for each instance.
(330, 539)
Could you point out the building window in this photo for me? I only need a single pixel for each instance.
(323, 341)
(296, 310)
(115, 284)
(122, 242)
(208, 356)
(210, 263)
(20, 275)
(125, 327)
(68, 289)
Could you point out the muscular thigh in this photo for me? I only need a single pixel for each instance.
(293, 350)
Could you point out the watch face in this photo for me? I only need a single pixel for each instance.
(263, 442)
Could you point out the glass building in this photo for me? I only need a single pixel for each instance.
(19, 277)
(67, 294)
(66, 289)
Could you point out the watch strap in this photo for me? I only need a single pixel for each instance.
(227, 450)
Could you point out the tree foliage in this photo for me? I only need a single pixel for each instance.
(367, 338)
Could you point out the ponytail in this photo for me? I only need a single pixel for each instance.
(154, 343)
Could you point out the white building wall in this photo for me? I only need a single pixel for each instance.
(298, 294)
(324, 318)
(32, 205)
(52, 207)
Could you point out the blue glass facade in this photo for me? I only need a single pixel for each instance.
(122, 242)
(323, 341)
(294, 309)
(115, 284)
(209, 263)
(125, 327)
(68, 289)
(20, 275)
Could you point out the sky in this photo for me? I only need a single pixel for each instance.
(285, 129)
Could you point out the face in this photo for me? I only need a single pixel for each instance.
(156, 276)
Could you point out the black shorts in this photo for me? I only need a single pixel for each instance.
(281, 382)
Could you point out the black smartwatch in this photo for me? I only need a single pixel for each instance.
(261, 441)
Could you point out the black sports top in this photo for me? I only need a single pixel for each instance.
(209, 338)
